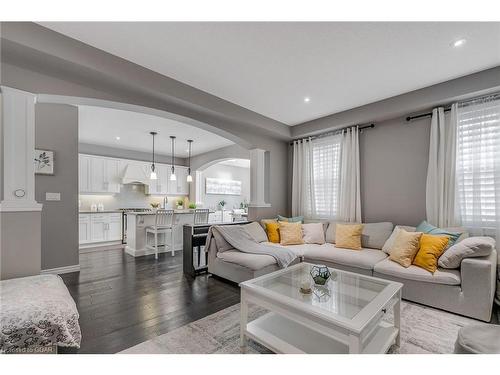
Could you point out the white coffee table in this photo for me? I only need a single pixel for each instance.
(348, 320)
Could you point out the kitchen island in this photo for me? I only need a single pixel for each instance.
(136, 231)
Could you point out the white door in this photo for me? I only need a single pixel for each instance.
(99, 225)
(83, 174)
(84, 229)
(114, 227)
(98, 178)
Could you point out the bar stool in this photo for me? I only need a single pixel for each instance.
(200, 217)
(164, 223)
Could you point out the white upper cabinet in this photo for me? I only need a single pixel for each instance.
(98, 174)
(84, 174)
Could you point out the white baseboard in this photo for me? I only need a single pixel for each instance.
(61, 270)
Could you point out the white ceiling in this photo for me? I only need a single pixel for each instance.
(101, 126)
(270, 67)
(242, 163)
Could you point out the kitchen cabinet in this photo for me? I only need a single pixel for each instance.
(84, 174)
(100, 227)
(99, 174)
(180, 185)
(84, 229)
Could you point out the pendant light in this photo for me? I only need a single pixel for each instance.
(153, 175)
(189, 178)
(172, 176)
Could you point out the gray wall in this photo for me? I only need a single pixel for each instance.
(19, 251)
(226, 172)
(393, 160)
(57, 130)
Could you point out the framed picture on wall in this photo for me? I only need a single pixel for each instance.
(44, 162)
(222, 187)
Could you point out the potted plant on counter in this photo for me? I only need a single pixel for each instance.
(192, 206)
(180, 204)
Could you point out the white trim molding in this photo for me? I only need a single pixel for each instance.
(18, 119)
(60, 270)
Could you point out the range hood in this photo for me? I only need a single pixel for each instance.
(134, 175)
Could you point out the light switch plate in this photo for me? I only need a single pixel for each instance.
(52, 196)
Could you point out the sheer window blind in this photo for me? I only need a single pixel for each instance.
(326, 173)
(478, 163)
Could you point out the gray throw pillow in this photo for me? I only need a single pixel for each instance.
(222, 244)
(375, 235)
(256, 231)
(331, 230)
(467, 248)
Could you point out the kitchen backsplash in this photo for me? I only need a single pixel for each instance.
(130, 196)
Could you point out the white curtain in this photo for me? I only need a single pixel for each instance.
(478, 165)
(350, 192)
(441, 184)
(326, 177)
(302, 178)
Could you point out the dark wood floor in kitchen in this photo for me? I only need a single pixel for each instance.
(124, 301)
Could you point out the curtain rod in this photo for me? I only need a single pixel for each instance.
(332, 132)
(448, 107)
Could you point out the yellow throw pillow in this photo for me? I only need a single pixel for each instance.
(348, 236)
(431, 248)
(290, 233)
(273, 232)
(405, 247)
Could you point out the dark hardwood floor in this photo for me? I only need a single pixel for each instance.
(124, 300)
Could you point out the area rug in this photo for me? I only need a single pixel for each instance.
(424, 330)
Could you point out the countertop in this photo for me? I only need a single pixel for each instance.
(152, 213)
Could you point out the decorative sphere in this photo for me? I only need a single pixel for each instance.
(320, 274)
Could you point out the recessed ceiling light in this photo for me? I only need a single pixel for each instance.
(117, 138)
(307, 99)
(459, 42)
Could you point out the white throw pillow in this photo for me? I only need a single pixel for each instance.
(313, 233)
(256, 231)
(468, 248)
(390, 241)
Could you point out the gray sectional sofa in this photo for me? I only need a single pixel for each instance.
(468, 290)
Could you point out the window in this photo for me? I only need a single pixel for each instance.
(325, 173)
(478, 164)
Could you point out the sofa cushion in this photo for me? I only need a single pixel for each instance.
(390, 241)
(425, 227)
(290, 233)
(364, 258)
(441, 276)
(222, 244)
(348, 236)
(313, 233)
(468, 248)
(405, 247)
(254, 262)
(256, 231)
(331, 229)
(375, 234)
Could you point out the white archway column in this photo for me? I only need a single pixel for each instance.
(18, 122)
(258, 178)
(20, 214)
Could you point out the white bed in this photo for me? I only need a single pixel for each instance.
(37, 311)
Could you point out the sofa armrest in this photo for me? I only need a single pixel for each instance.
(479, 277)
